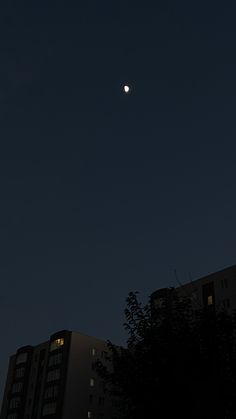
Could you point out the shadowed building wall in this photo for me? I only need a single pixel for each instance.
(57, 379)
(213, 291)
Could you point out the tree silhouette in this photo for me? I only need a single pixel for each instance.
(178, 362)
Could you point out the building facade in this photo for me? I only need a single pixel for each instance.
(215, 291)
(57, 379)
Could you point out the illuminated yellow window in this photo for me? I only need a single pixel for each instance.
(209, 300)
(57, 343)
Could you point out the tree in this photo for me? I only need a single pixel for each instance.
(176, 363)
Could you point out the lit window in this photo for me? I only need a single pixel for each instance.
(209, 300)
(49, 409)
(57, 343)
(92, 382)
(90, 415)
(93, 351)
(21, 358)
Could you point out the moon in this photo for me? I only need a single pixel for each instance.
(126, 89)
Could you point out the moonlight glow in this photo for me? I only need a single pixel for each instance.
(126, 89)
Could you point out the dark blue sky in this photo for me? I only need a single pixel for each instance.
(103, 193)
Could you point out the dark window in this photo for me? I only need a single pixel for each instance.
(17, 387)
(55, 359)
(12, 416)
(226, 283)
(103, 354)
(51, 392)
(53, 375)
(14, 403)
(20, 372)
(49, 409)
(21, 358)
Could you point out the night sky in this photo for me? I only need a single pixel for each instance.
(104, 192)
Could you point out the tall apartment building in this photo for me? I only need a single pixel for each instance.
(57, 380)
(215, 291)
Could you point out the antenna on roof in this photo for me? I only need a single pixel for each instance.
(176, 277)
(187, 294)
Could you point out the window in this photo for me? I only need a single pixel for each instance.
(55, 359)
(90, 398)
(51, 392)
(14, 403)
(49, 409)
(93, 366)
(224, 283)
(104, 354)
(94, 352)
(102, 386)
(92, 382)
(101, 401)
(20, 372)
(57, 343)
(115, 403)
(21, 358)
(17, 387)
(12, 416)
(53, 375)
(90, 415)
(209, 300)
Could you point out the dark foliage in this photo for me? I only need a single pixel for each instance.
(177, 363)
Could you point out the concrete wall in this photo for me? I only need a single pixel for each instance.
(77, 401)
(222, 293)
